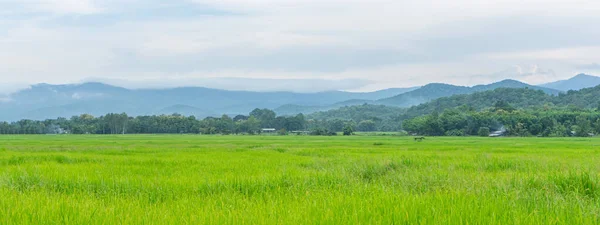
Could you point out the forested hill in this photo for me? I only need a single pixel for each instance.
(359, 113)
(512, 112)
(515, 97)
(366, 117)
(392, 116)
(434, 91)
(291, 109)
(507, 98)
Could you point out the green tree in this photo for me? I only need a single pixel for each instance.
(433, 125)
(503, 105)
(559, 130)
(483, 131)
(115, 123)
(336, 125)
(348, 129)
(583, 127)
(282, 132)
(265, 116)
(366, 126)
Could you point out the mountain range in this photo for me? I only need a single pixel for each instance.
(415, 97)
(575, 83)
(44, 101)
(436, 90)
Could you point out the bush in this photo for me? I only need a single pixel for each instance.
(322, 132)
(348, 130)
(455, 133)
(484, 131)
(282, 131)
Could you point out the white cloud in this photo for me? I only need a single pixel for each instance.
(54, 6)
(388, 42)
(573, 55)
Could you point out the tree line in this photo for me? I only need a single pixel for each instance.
(544, 122)
(113, 123)
(459, 121)
(516, 112)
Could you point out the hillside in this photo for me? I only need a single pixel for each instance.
(425, 94)
(382, 118)
(434, 91)
(584, 98)
(575, 83)
(358, 113)
(291, 109)
(415, 97)
(516, 97)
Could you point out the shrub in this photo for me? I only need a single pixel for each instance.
(348, 130)
(322, 132)
(484, 131)
(455, 133)
(282, 131)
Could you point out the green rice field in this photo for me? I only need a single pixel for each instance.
(187, 179)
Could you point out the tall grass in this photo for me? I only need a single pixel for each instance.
(172, 179)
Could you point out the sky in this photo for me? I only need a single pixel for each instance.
(296, 45)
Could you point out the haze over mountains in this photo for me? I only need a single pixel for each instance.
(575, 83)
(44, 101)
(50, 101)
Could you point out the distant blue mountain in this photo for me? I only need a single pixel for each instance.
(44, 101)
(575, 83)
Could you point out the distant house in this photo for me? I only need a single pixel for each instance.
(574, 133)
(499, 133)
(268, 130)
(55, 129)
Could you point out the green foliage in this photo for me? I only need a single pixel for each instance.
(282, 131)
(550, 123)
(348, 129)
(385, 118)
(163, 124)
(505, 99)
(265, 116)
(455, 132)
(583, 127)
(582, 183)
(483, 131)
(503, 105)
(366, 126)
(322, 132)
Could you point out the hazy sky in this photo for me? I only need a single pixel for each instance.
(340, 44)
